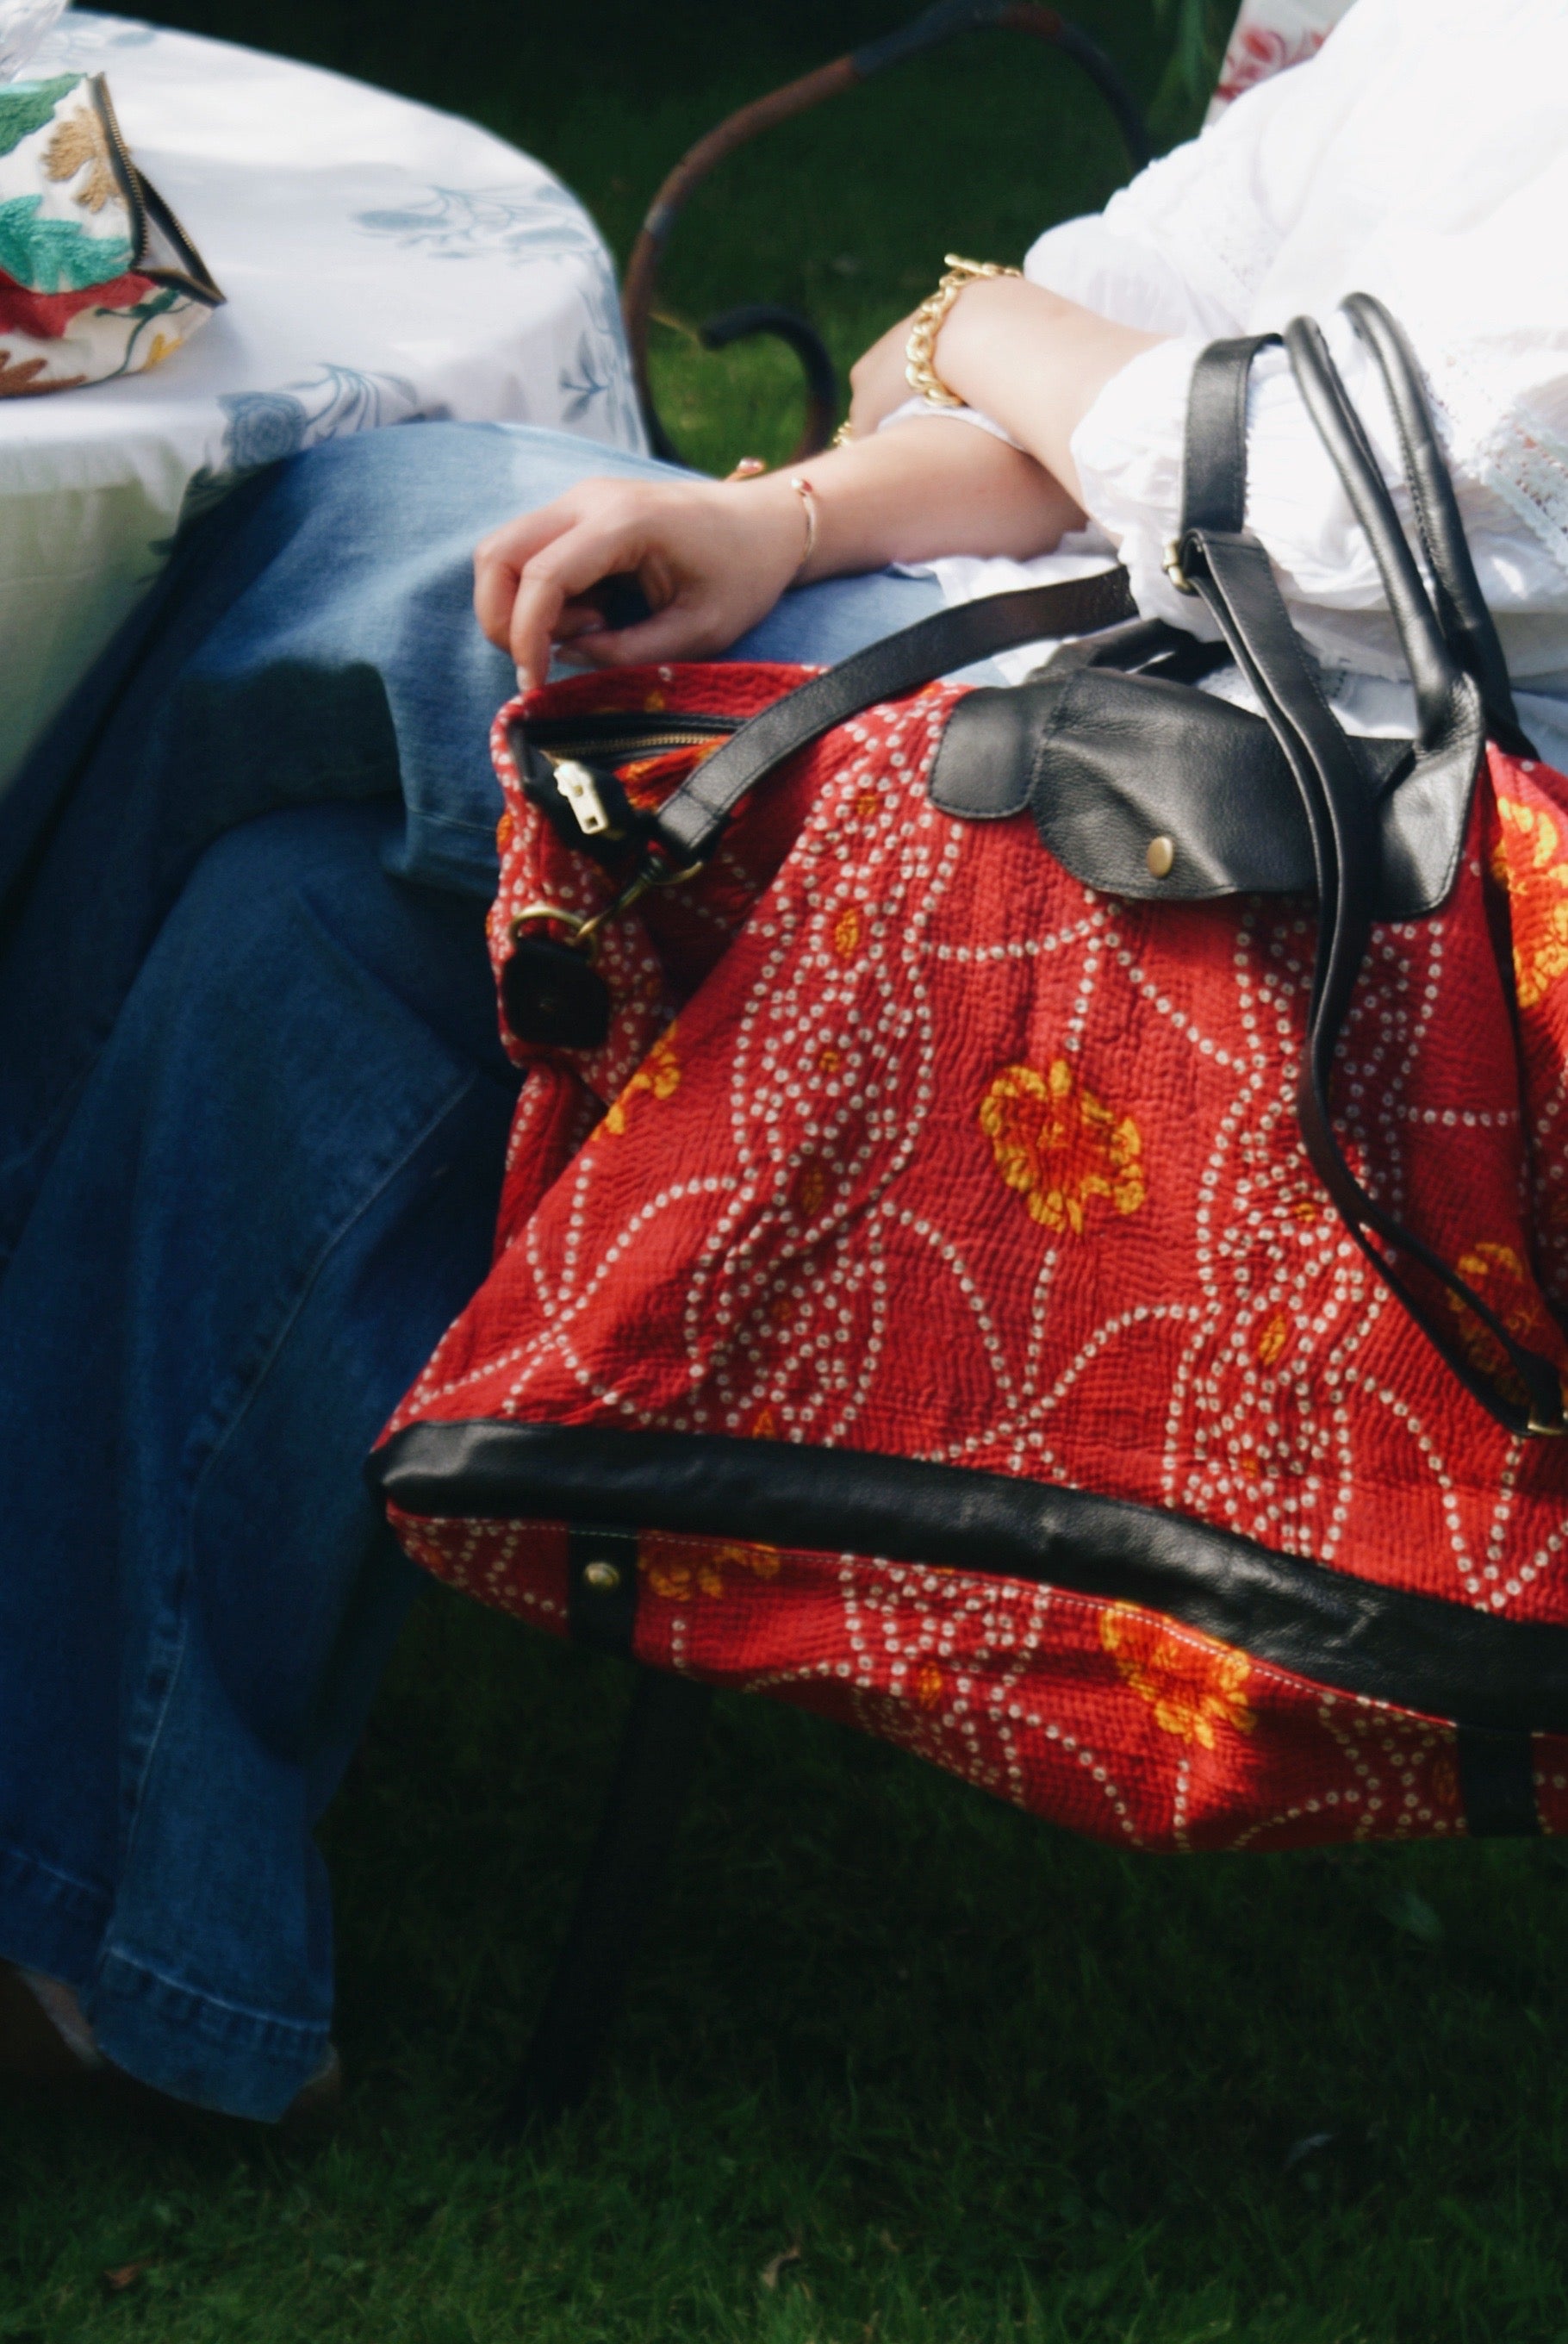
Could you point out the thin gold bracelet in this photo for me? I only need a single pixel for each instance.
(808, 496)
(919, 351)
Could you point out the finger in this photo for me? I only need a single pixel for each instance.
(563, 573)
(536, 610)
(580, 618)
(682, 630)
(495, 591)
(502, 557)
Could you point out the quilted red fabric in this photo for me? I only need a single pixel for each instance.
(904, 1140)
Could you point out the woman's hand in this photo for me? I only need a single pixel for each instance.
(711, 558)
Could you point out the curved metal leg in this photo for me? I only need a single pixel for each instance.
(661, 1746)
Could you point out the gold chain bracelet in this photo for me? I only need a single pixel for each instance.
(919, 351)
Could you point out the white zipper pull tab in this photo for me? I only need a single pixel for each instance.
(580, 790)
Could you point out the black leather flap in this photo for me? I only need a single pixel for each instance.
(1145, 788)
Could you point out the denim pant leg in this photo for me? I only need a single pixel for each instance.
(313, 640)
(278, 1189)
(254, 1142)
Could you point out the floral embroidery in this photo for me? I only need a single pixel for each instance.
(810, 1188)
(1528, 861)
(928, 1684)
(1272, 1339)
(79, 144)
(658, 1075)
(19, 378)
(1056, 1144)
(679, 1569)
(1504, 1284)
(1190, 1682)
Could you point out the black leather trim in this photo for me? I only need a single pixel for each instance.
(690, 821)
(1497, 1783)
(1444, 1659)
(1467, 624)
(1107, 762)
(601, 1587)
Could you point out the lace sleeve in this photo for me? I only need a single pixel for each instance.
(1128, 450)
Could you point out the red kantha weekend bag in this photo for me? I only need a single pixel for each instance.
(1051, 1244)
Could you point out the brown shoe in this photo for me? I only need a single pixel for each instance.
(38, 2048)
(32, 2050)
(317, 2105)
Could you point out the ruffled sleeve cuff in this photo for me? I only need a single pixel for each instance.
(1128, 452)
(920, 410)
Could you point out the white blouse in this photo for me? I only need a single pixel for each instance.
(1421, 155)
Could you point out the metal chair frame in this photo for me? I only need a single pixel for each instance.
(927, 31)
(661, 1741)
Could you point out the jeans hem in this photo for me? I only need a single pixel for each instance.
(198, 2049)
(49, 1920)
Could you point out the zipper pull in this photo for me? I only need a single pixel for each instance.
(580, 790)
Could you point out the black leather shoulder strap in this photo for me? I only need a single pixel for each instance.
(1433, 669)
(1467, 623)
(690, 821)
(1232, 570)
(1214, 465)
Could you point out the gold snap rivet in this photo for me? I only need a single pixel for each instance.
(1160, 856)
(604, 1578)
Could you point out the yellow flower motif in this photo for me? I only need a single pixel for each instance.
(79, 141)
(928, 1684)
(846, 934)
(1528, 861)
(810, 1188)
(1056, 1144)
(1500, 1276)
(1272, 1339)
(1190, 1682)
(658, 1075)
(679, 1569)
(161, 346)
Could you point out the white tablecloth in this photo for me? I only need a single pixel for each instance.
(382, 262)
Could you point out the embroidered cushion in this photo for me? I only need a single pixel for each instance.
(97, 279)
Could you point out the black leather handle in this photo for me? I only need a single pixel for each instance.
(1432, 669)
(1232, 570)
(1467, 624)
(1214, 462)
(691, 819)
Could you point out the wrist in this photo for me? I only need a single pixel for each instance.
(783, 514)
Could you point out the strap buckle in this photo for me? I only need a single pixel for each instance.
(585, 928)
(1171, 565)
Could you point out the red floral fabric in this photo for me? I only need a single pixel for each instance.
(904, 1140)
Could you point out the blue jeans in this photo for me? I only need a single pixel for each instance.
(253, 1114)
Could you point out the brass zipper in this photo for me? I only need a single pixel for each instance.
(592, 736)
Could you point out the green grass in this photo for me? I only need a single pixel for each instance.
(845, 213)
(990, 2084)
